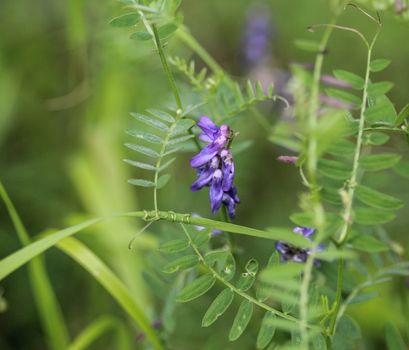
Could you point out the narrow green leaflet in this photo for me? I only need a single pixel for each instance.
(369, 216)
(375, 138)
(141, 182)
(126, 20)
(379, 88)
(146, 136)
(140, 165)
(241, 320)
(402, 116)
(141, 36)
(367, 243)
(363, 297)
(379, 64)
(402, 168)
(343, 148)
(383, 111)
(307, 45)
(250, 90)
(174, 246)
(162, 181)
(223, 262)
(267, 330)
(394, 340)
(196, 288)
(377, 162)
(218, 307)
(143, 150)
(166, 165)
(302, 219)
(182, 126)
(344, 96)
(166, 117)
(377, 199)
(151, 122)
(246, 280)
(180, 139)
(167, 30)
(182, 263)
(334, 169)
(351, 78)
(346, 334)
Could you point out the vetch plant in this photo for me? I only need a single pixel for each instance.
(333, 135)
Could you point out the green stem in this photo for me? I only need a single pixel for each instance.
(184, 34)
(166, 68)
(338, 297)
(352, 182)
(312, 160)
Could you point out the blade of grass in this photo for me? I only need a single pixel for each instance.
(97, 329)
(112, 284)
(46, 302)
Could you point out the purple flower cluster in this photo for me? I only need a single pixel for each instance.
(291, 253)
(215, 166)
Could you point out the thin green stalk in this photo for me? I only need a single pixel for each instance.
(190, 41)
(312, 160)
(99, 328)
(352, 182)
(166, 68)
(338, 297)
(46, 302)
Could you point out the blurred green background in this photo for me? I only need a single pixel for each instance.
(67, 83)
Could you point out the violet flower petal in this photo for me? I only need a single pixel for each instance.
(205, 155)
(208, 127)
(216, 191)
(204, 179)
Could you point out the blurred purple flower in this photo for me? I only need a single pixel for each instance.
(333, 102)
(289, 252)
(332, 81)
(288, 159)
(257, 37)
(215, 166)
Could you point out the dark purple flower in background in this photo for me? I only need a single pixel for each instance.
(257, 36)
(215, 166)
(289, 252)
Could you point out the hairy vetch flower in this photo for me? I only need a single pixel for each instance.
(215, 166)
(289, 252)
